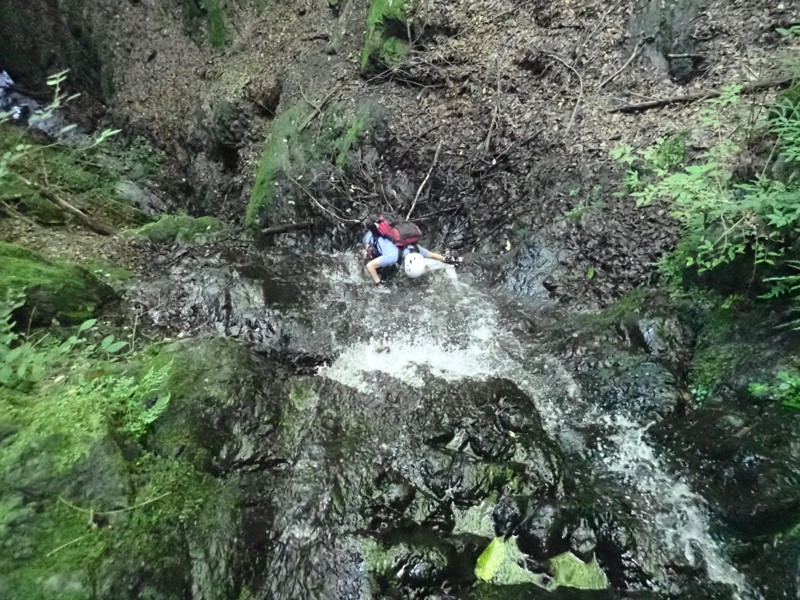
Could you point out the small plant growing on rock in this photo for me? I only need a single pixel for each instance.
(785, 390)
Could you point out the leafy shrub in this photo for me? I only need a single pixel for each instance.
(785, 390)
(69, 392)
(725, 220)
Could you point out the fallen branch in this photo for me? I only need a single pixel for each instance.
(580, 93)
(15, 214)
(318, 108)
(746, 89)
(424, 181)
(315, 201)
(636, 52)
(95, 226)
(286, 227)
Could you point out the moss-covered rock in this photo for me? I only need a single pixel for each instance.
(214, 386)
(290, 150)
(182, 229)
(52, 290)
(386, 43)
(88, 511)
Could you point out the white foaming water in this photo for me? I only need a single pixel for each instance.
(677, 516)
(454, 332)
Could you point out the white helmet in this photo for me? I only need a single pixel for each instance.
(414, 265)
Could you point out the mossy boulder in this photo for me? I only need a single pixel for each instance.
(219, 413)
(52, 290)
(182, 229)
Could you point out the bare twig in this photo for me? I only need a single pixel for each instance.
(145, 503)
(676, 56)
(319, 108)
(286, 227)
(424, 181)
(91, 512)
(636, 52)
(82, 216)
(746, 89)
(62, 546)
(580, 93)
(495, 113)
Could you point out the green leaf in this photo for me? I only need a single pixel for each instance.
(116, 346)
(107, 341)
(490, 559)
(499, 563)
(590, 273)
(88, 324)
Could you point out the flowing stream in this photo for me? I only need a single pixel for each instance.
(405, 391)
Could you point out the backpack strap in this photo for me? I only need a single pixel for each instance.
(401, 254)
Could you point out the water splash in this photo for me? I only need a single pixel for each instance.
(460, 334)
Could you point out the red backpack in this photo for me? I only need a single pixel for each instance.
(400, 232)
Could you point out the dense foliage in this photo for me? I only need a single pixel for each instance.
(735, 207)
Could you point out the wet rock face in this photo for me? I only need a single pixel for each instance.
(744, 464)
(631, 358)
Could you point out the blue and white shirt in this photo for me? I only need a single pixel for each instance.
(384, 249)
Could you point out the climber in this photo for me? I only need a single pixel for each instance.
(385, 254)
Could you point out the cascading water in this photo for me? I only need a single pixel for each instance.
(398, 366)
(460, 334)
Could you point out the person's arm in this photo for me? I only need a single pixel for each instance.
(387, 258)
(436, 256)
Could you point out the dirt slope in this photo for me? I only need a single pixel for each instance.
(510, 100)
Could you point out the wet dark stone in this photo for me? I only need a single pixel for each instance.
(492, 444)
(484, 591)
(741, 462)
(583, 542)
(617, 554)
(544, 533)
(508, 514)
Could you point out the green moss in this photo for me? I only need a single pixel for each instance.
(105, 271)
(48, 554)
(205, 376)
(716, 355)
(570, 571)
(85, 178)
(210, 12)
(385, 44)
(393, 51)
(286, 148)
(57, 442)
(182, 229)
(55, 290)
(218, 33)
(289, 151)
